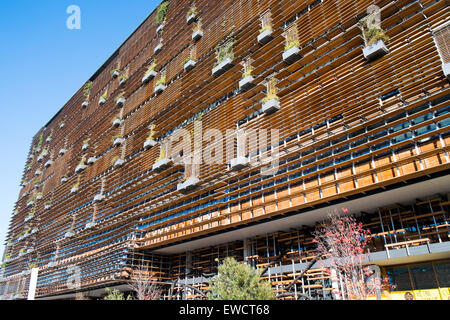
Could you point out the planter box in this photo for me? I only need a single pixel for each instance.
(90, 225)
(62, 125)
(160, 88)
(62, 152)
(47, 207)
(191, 18)
(188, 185)
(91, 160)
(74, 190)
(115, 74)
(51, 264)
(162, 164)
(158, 49)
(189, 65)
(222, 67)
(102, 101)
(120, 102)
(85, 147)
(69, 234)
(122, 81)
(197, 35)
(28, 218)
(238, 163)
(117, 123)
(39, 197)
(30, 203)
(149, 76)
(119, 163)
(246, 83)
(118, 142)
(160, 28)
(271, 106)
(265, 36)
(149, 143)
(40, 158)
(446, 69)
(48, 140)
(63, 179)
(99, 198)
(291, 55)
(80, 168)
(38, 172)
(34, 230)
(85, 104)
(48, 163)
(375, 51)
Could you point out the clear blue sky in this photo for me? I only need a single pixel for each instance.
(43, 63)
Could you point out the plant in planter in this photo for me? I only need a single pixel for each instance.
(160, 16)
(225, 57)
(189, 64)
(75, 188)
(32, 266)
(118, 140)
(91, 160)
(158, 48)
(81, 166)
(271, 102)
(191, 15)
(160, 85)
(150, 142)
(37, 184)
(265, 33)
(122, 79)
(99, 198)
(120, 100)
(47, 205)
(85, 145)
(69, 234)
(48, 163)
(115, 73)
(43, 154)
(64, 179)
(151, 73)
(39, 196)
(62, 152)
(49, 138)
(103, 98)
(197, 32)
(375, 39)
(162, 162)
(291, 49)
(247, 78)
(86, 92)
(62, 124)
(117, 162)
(117, 121)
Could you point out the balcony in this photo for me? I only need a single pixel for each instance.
(222, 67)
(375, 51)
(188, 185)
(162, 165)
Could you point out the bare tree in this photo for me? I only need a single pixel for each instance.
(143, 285)
(344, 240)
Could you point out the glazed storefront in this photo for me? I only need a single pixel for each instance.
(424, 281)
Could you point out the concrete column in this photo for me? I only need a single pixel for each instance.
(377, 274)
(33, 283)
(335, 285)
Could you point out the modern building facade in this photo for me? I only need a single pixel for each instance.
(338, 104)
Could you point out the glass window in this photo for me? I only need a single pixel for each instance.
(443, 273)
(399, 277)
(423, 277)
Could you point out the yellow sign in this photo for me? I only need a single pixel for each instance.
(428, 294)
